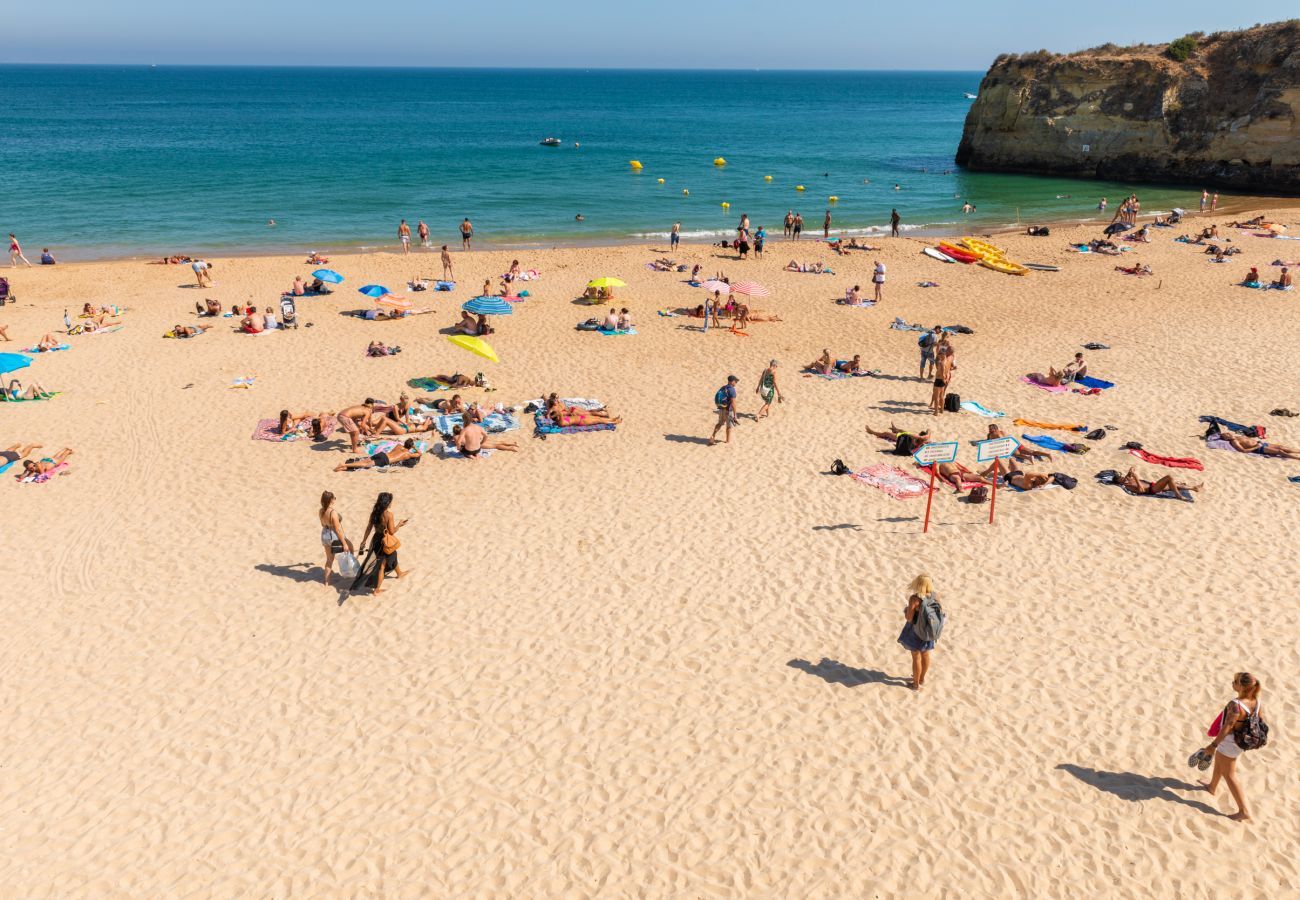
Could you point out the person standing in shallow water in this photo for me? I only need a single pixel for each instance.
(1224, 748)
(894, 221)
(921, 588)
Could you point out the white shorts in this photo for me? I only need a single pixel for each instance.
(1228, 747)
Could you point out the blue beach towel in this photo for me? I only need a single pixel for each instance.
(972, 406)
(1048, 443)
(1088, 382)
(1231, 426)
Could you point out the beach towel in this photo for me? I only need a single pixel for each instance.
(267, 430)
(428, 384)
(448, 450)
(1085, 381)
(1048, 443)
(1224, 423)
(1173, 462)
(899, 325)
(892, 480)
(547, 426)
(1019, 490)
(5, 468)
(966, 483)
(1215, 443)
(245, 382)
(1051, 426)
(829, 376)
(44, 476)
(1112, 478)
(1050, 388)
(48, 349)
(972, 406)
(569, 401)
(6, 398)
(608, 332)
(493, 423)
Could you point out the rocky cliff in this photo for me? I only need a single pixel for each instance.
(1228, 115)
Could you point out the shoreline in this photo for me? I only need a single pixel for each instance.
(1228, 206)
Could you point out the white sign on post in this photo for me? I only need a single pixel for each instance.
(936, 453)
(998, 448)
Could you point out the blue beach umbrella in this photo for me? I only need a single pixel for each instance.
(374, 290)
(329, 276)
(12, 362)
(487, 306)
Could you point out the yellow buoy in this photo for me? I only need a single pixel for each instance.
(661, 181)
(685, 193)
(719, 161)
(767, 177)
(634, 163)
(726, 205)
(798, 187)
(834, 199)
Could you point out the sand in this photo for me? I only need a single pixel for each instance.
(626, 663)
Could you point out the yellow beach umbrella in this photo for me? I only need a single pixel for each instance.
(475, 345)
(606, 283)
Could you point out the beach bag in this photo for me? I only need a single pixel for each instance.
(348, 565)
(952, 403)
(979, 494)
(1251, 733)
(391, 543)
(1069, 482)
(721, 398)
(1096, 434)
(903, 445)
(838, 468)
(929, 621)
(926, 341)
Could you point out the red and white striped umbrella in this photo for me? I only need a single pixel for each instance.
(393, 301)
(749, 289)
(720, 286)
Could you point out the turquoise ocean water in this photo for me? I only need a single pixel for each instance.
(113, 161)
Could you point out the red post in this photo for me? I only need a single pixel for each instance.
(993, 499)
(929, 498)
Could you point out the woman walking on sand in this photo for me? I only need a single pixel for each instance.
(331, 533)
(768, 390)
(381, 532)
(923, 622)
(1234, 732)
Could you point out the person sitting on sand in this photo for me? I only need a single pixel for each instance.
(853, 296)
(1252, 278)
(290, 422)
(563, 415)
(189, 331)
(487, 442)
(850, 366)
(1283, 282)
(33, 391)
(1243, 444)
(209, 309)
(15, 452)
(319, 287)
(1135, 485)
(467, 324)
(315, 259)
(404, 455)
(253, 323)
(610, 322)
(1024, 452)
(822, 365)
(298, 288)
(625, 319)
(48, 464)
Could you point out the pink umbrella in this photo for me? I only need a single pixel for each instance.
(750, 289)
(714, 285)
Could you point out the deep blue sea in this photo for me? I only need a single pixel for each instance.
(111, 161)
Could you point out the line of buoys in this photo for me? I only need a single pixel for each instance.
(719, 161)
(635, 164)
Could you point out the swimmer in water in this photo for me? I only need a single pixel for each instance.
(898, 187)
(578, 217)
(270, 223)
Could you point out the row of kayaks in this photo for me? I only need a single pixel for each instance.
(973, 250)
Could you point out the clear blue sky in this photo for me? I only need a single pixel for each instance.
(858, 34)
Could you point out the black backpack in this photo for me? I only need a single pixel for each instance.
(952, 403)
(838, 468)
(1069, 482)
(903, 445)
(1251, 732)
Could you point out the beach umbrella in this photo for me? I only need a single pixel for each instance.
(1117, 227)
(475, 345)
(12, 362)
(329, 276)
(392, 301)
(749, 289)
(714, 285)
(606, 283)
(373, 290)
(487, 306)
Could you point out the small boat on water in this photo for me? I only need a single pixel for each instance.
(550, 142)
(969, 95)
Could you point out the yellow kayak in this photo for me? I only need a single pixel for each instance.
(1004, 266)
(982, 249)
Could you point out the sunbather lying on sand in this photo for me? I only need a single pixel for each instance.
(15, 452)
(1135, 269)
(816, 268)
(560, 414)
(1025, 452)
(1135, 485)
(1013, 475)
(851, 366)
(892, 435)
(189, 331)
(450, 407)
(46, 343)
(90, 326)
(379, 348)
(405, 455)
(1243, 444)
(49, 463)
(33, 391)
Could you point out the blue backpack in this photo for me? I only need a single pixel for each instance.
(722, 397)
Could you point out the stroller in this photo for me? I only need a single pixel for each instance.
(288, 312)
(6, 293)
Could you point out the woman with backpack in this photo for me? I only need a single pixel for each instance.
(1240, 729)
(923, 621)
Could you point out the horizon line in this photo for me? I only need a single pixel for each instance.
(417, 68)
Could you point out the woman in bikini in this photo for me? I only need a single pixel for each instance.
(822, 365)
(563, 415)
(48, 464)
(1135, 485)
(1224, 748)
(331, 533)
(293, 421)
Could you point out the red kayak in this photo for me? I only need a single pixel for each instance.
(958, 253)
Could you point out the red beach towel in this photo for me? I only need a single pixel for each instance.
(1173, 462)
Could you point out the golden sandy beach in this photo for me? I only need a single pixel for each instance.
(625, 663)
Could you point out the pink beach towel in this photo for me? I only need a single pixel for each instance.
(892, 481)
(44, 476)
(1173, 462)
(267, 430)
(966, 484)
(1051, 389)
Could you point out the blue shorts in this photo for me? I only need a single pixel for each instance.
(927, 355)
(674, 238)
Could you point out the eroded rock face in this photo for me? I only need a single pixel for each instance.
(1229, 116)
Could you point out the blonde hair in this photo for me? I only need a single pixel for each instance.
(921, 585)
(1248, 684)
